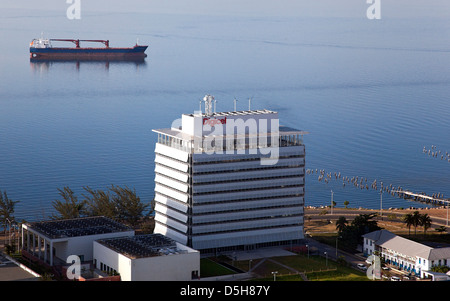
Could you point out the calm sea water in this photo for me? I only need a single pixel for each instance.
(371, 93)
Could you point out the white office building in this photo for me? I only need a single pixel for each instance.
(229, 180)
(151, 257)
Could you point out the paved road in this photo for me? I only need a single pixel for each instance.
(10, 271)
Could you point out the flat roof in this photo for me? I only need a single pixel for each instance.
(140, 246)
(176, 133)
(235, 113)
(389, 240)
(77, 227)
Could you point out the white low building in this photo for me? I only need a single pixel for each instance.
(405, 254)
(110, 247)
(151, 257)
(53, 241)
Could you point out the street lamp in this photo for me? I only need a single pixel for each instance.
(274, 275)
(307, 247)
(249, 264)
(326, 258)
(381, 201)
(331, 201)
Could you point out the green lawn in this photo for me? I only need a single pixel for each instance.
(316, 268)
(210, 268)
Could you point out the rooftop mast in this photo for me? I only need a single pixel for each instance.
(208, 99)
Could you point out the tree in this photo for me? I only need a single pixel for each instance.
(408, 220)
(346, 204)
(365, 224)
(416, 218)
(361, 224)
(425, 222)
(129, 206)
(99, 203)
(341, 223)
(70, 207)
(6, 209)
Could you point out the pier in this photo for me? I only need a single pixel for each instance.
(422, 197)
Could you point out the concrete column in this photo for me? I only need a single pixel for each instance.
(21, 228)
(39, 247)
(45, 251)
(28, 241)
(34, 244)
(51, 253)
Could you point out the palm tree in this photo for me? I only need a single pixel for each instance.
(425, 222)
(341, 223)
(416, 217)
(408, 220)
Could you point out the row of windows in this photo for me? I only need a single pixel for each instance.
(236, 210)
(257, 198)
(265, 168)
(299, 224)
(247, 179)
(247, 219)
(224, 222)
(109, 270)
(250, 247)
(246, 159)
(248, 189)
(251, 179)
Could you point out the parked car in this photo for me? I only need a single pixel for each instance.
(361, 266)
(395, 278)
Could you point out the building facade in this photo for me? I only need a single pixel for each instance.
(107, 251)
(54, 241)
(151, 257)
(405, 254)
(229, 180)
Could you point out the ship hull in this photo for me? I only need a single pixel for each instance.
(94, 54)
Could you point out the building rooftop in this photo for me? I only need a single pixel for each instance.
(140, 246)
(404, 246)
(78, 227)
(177, 133)
(235, 113)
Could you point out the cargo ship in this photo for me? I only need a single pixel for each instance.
(42, 49)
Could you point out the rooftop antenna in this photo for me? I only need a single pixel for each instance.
(249, 103)
(235, 100)
(208, 99)
(200, 106)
